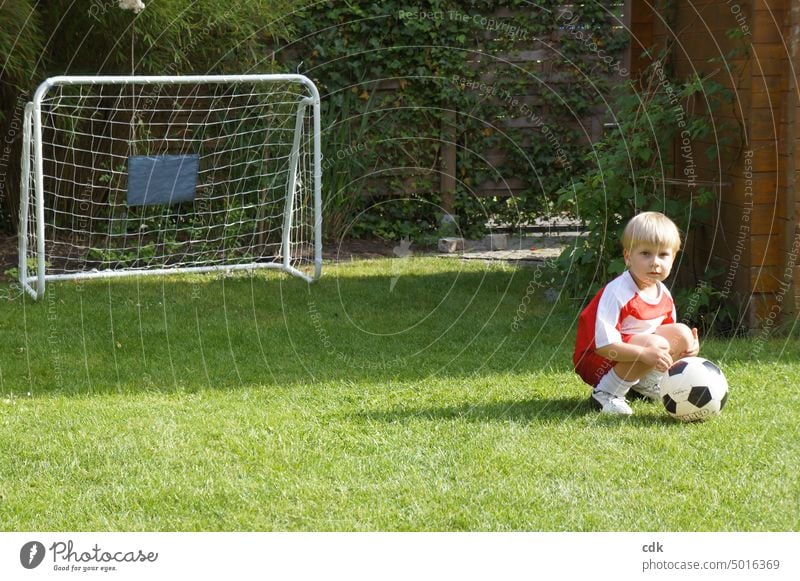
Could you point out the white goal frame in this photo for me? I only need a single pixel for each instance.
(33, 197)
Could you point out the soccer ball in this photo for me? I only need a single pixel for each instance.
(694, 389)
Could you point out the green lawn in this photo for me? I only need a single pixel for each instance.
(390, 395)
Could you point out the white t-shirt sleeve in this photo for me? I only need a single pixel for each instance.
(605, 326)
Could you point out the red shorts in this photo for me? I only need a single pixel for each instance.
(591, 367)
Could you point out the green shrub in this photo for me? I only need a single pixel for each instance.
(627, 173)
(20, 50)
(396, 69)
(410, 65)
(21, 47)
(167, 37)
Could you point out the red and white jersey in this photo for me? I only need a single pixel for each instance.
(618, 311)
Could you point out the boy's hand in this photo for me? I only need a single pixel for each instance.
(655, 357)
(695, 348)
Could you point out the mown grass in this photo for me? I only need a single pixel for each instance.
(390, 395)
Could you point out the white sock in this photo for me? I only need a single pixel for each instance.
(614, 384)
(653, 378)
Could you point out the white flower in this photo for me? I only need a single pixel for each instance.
(135, 5)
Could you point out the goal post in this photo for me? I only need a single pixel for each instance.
(148, 175)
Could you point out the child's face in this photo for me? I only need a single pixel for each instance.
(649, 264)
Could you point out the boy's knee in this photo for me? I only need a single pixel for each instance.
(685, 335)
(651, 340)
(660, 342)
(679, 337)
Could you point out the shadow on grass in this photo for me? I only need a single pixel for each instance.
(524, 411)
(376, 324)
(518, 411)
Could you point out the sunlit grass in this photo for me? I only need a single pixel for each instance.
(390, 395)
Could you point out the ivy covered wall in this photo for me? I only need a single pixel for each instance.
(483, 108)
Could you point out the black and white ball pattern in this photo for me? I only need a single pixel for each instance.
(694, 389)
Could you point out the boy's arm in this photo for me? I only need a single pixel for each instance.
(624, 352)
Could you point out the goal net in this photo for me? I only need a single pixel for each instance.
(153, 175)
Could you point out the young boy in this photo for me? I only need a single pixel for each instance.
(628, 335)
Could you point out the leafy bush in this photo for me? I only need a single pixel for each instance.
(441, 70)
(20, 47)
(628, 168)
(167, 37)
(396, 68)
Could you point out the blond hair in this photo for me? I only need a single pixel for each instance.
(651, 228)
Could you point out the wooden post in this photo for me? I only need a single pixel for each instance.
(792, 229)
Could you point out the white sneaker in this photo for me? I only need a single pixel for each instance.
(651, 392)
(608, 403)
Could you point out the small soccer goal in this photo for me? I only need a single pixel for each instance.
(147, 175)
